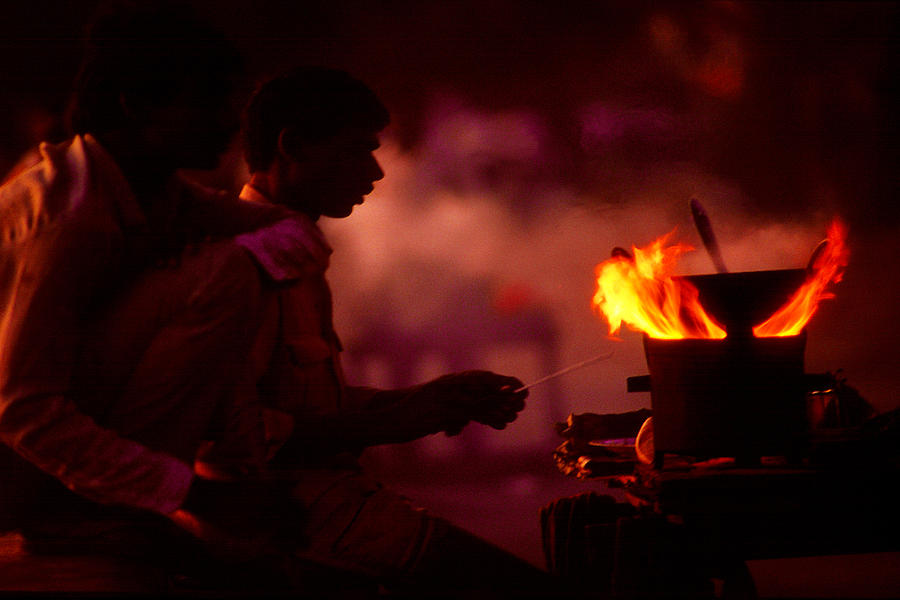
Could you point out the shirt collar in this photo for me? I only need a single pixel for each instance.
(288, 248)
(252, 194)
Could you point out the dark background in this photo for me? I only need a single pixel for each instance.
(785, 98)
(528, 139)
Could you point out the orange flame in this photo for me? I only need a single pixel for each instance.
(791, 318)
(641, 293)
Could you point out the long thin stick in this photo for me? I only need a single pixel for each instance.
(568, 369)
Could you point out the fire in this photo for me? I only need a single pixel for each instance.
(791, 318)
(641, 293)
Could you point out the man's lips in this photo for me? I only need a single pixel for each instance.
(362, 195)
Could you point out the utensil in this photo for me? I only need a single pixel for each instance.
(701, 220)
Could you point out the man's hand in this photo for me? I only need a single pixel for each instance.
(445, 404)
(452, 401)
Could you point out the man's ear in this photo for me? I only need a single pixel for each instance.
(288, 148)
(281, 144)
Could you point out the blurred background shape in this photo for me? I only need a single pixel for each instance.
(528, 139)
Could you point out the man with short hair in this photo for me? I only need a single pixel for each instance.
(309, 138)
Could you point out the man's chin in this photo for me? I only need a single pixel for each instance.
(340, 212)
(338, 205)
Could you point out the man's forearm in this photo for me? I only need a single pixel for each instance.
(384, 399)
(55, 276)
(92, 461)
(318, 435)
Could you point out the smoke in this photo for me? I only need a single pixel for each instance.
(451, 245)
(529, 140)
(510, 179)
(516, 162)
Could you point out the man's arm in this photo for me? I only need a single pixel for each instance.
(48, 279)
(446, 404)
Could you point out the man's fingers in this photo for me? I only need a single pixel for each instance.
(498, 419)
(486, 382)
(483, 397)
(505, 402)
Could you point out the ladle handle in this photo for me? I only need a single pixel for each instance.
(817, 252)
(701, 220)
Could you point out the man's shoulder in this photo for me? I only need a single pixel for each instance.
(286, 251)
(38, 170)
(55, 184)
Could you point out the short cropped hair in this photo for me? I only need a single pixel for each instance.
(147, 52)
(312, 104)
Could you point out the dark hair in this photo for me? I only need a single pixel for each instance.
(312, 104)
(147, 52)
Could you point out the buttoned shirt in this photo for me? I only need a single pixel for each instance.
(297, 355)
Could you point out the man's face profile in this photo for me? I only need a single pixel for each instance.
(336, 174)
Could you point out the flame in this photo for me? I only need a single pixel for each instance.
(791, 318)
(641, 293)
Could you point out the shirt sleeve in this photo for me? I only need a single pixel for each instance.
(359, 398)
(50, 279)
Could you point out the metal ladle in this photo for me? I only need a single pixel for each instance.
(701, 220)
(817, 252)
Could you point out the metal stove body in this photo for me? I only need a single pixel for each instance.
(740, 396)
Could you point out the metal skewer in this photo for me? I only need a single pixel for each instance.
(568, 369)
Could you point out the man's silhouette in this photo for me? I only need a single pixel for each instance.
(309, 140)
(126, 310)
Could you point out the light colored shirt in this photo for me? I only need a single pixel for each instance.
(61, 231)
(71, 230)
